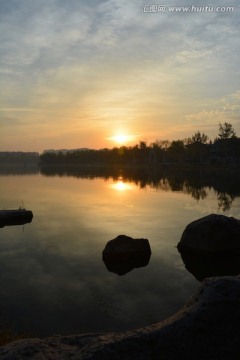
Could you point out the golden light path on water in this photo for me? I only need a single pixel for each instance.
(121, 186)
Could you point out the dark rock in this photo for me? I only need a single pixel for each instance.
(212, 234)
(210, 246)
(206, 328)
(124, 253)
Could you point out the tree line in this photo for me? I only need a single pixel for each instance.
(18, 157)
(197, 149)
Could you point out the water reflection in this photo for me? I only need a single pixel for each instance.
(197, 183)
(225, 201)
(15, 170)
(203, 265)
(52, 276)
(122, 266)
(121, 186)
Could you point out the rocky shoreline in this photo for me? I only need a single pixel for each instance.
(206, 328)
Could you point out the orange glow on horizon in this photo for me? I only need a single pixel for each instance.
(122, 138)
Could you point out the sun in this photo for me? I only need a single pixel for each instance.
(122, 138)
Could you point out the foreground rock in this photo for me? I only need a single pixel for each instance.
(212, 234)
(124, 253)
(206, 328)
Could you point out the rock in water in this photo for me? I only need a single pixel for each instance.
(212, 234)
(210, 247)
(124, 253)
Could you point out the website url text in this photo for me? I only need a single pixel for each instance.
(155, 8)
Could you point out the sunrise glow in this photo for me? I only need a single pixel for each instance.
(122, 139)
(114, 77)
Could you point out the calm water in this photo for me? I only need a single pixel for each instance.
(53, 280)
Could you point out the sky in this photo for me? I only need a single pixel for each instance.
(86, 73)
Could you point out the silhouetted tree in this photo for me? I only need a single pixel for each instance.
(226, 136)
(177, 150)
(161, 147)
(199, 138)
(226, 145)
(164, 145)
(197, 145)
(226, 131)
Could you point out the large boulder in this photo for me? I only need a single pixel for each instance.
(210, 246)
(212, 234)
(124, 253)
(207, 327)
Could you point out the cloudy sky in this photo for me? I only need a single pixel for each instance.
(76, 73)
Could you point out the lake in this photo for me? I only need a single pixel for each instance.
(53, 280)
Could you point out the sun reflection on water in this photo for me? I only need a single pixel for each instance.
(119, 185)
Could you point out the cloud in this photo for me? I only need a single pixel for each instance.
(7, 121)
(226, 109)
(109, 63)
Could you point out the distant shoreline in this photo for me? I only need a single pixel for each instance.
(171, 166)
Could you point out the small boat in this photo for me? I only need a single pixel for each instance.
(15, 217)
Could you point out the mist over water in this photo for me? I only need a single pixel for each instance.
(53, 279)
